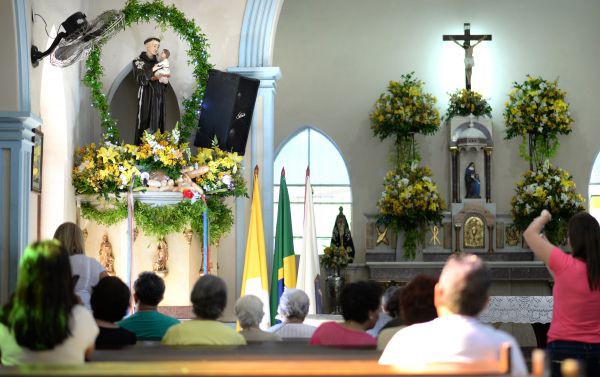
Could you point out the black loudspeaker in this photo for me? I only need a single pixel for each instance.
(226, 111)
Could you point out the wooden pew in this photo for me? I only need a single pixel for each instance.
(253, 361)
(247, 368)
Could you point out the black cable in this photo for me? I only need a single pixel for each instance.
(45, 25)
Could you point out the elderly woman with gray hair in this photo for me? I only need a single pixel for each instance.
(249, 311)
(293, 308)
(208, 297)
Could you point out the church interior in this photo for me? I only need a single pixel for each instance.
(325, 122)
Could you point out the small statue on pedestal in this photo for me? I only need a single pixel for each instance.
(151, 109)
(161, 258)
(472, 182)
(107, 259)
(341, 236)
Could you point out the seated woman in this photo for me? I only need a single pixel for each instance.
(249, 311)
(416, 306)
(88, 270)
(385, 315)
(392, 306)
(42, 322)
(360, 309)
(110, 301)
(209, 297)
(292, 309)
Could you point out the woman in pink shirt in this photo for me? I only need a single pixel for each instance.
(360, 308)
(575, 328)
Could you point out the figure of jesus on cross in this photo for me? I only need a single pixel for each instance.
(467, 38)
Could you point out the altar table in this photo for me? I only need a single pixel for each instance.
(518, 309)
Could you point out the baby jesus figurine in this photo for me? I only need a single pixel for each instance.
(161, 71)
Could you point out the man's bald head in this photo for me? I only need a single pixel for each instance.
(464, 284)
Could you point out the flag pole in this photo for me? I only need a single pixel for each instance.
(205, 237)
(255, 277)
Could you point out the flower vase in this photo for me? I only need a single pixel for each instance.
(335, 285)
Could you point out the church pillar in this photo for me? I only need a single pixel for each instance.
(490, 238)
(255, 60)
(454, 175)
(16, 132)
(488, 175)
(262, 144)
(457, 246)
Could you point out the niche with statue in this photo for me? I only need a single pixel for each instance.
(472, 210)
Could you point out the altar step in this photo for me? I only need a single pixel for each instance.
(510, 271)
(442, 256)
(497, 256)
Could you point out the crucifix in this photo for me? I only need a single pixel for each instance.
(466, 45)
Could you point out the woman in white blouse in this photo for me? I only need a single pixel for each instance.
(88, 270)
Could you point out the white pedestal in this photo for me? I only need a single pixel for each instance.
(184, 263)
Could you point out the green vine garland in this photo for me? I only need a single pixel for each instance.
(106, 217)
(164, 15)
(160, 221)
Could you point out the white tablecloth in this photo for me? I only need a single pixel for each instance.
(518, 309)
(502, 309)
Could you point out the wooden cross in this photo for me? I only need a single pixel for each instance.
(466, 45)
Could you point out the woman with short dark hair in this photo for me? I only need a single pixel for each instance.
(415, 305)
(209, 297)
(110, 300)
(360, 309)
(42, 322)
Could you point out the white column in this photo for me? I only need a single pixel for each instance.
(255, 60)
(262, 136)
(15, 185)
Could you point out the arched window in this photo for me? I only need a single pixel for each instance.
(594, 189)
(329, 178)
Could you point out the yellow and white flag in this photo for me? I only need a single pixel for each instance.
(255, 279)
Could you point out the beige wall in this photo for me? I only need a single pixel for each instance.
(337, 57)
(56, 94)
(9, 95)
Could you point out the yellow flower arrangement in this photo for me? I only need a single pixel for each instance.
(409, 201)
(224, 176)
(335, 258)
(548, 188)
(464, 102)
(537, 106)
(404, 110)
(104, 170)
(110, 168)
(537, 111)
(163, 152)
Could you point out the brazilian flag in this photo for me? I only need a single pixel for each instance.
(284, 260)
